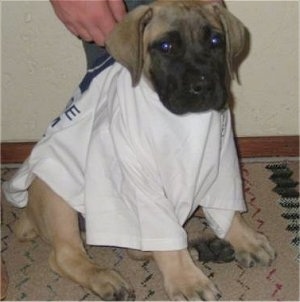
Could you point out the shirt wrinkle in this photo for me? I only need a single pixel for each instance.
(132, 168)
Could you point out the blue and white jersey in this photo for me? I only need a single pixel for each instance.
(135, 170)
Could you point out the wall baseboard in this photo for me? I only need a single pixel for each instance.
(269, 146)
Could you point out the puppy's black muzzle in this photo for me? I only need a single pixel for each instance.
(192, 90)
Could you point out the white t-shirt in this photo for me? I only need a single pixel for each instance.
(135, 170)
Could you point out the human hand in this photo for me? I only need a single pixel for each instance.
(90, 20)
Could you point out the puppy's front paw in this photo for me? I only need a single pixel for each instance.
(256, 251)
(110, 286)
(183, 279)
(251, 248)
(192, 286)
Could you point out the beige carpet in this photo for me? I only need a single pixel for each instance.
(270, 213)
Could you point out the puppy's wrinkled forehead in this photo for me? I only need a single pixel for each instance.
(187, 17)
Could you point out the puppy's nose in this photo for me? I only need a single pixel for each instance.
(199, 86)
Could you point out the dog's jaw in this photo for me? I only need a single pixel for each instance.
(179, 98)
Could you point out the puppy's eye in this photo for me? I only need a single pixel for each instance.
(216, 40)
(166, 47)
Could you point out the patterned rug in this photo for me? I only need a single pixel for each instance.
(271, 191)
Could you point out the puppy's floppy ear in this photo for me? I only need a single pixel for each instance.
(125, 43)
(235, 33)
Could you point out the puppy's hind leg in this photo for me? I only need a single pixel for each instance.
(24, 229)
(57, 223)
(204, 245)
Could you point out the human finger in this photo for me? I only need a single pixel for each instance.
(117, 8)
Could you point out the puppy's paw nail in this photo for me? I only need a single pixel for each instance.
(218, 297)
